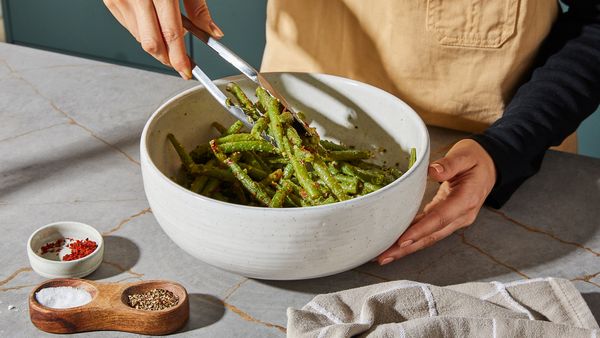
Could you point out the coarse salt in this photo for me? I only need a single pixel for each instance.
(63, 297)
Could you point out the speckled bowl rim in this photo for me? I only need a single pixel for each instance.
(98, 251)
(424, 134)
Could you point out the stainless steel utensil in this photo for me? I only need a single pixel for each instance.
(245, 69)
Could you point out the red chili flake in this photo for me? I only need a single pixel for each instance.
(80, 249)
(52, 246)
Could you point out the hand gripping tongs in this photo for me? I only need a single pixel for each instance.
(243, 67)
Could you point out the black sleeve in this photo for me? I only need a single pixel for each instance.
(562, 91)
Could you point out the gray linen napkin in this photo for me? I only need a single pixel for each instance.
(544, 307)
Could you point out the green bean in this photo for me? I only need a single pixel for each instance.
(302, 174)
(259, 127)
(219, 196)
(348, 155)
(395, 172)
(282, 191)
(258, 146)
(301, 116)
(331, 166)
(234, 128)
(210, 187)
(288, 171)
(261, 163)
(413, 158)
(292, 200)
(297, 170)
(286, 117)
(199, 183)
(332, 146)
(328, 200)
(254, 172)
(275, 176)
(350, 184)
(236, 138)
(272, 106)
(333, 185)
(253, 188)
(370, 187)
(186, 159)
(364, 174)
(245, 103)
(303, 154)
(239, 193)
(201, 153)
(293, 136)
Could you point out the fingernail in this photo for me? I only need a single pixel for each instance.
(437, 167)
(215, 30)
(406, 243)
(184, 76)
(387, 261)
(188, 73)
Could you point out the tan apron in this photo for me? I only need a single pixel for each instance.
(456, 62)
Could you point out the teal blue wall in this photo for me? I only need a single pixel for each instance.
(86, 28)
(588, 136)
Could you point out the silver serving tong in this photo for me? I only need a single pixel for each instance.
(243, 67)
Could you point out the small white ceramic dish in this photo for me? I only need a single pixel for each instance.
(289, 243)
(50, 265)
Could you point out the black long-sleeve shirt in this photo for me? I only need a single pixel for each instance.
(563, 89)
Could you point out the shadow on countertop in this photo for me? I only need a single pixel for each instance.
(120, 255)
(205, 310)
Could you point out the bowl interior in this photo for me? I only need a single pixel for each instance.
(342, 110)
(61, 230)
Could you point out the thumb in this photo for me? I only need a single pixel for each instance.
(449, 166)
(198, 12)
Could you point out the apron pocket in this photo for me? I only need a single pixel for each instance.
(472, 23)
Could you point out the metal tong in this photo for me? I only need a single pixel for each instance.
(251, 73)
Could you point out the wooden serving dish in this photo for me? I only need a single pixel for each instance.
(109, 309)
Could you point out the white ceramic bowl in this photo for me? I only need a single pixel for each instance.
(292, 243)
(49, 265)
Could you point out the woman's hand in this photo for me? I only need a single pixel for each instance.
(156, 25)
(468, 175)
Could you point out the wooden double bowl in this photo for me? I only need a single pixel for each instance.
(109, 309)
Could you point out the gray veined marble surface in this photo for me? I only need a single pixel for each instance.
(69, 146)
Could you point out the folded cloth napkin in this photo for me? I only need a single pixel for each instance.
(547, 307)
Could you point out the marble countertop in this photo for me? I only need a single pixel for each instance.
(69, 136)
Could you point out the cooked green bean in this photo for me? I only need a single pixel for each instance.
(333, 185)
(413, 158)
(259, 127)
(199, 183)
(365, 175)
(282, 191)
(255, 190)
(275, 176)
(236, 138)
(234, 128)
(349, 184)
(258, 146)
(243, 100)
(186, 159)
(332, 146)
(349, 155)
(295, 170)
(211, 186)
